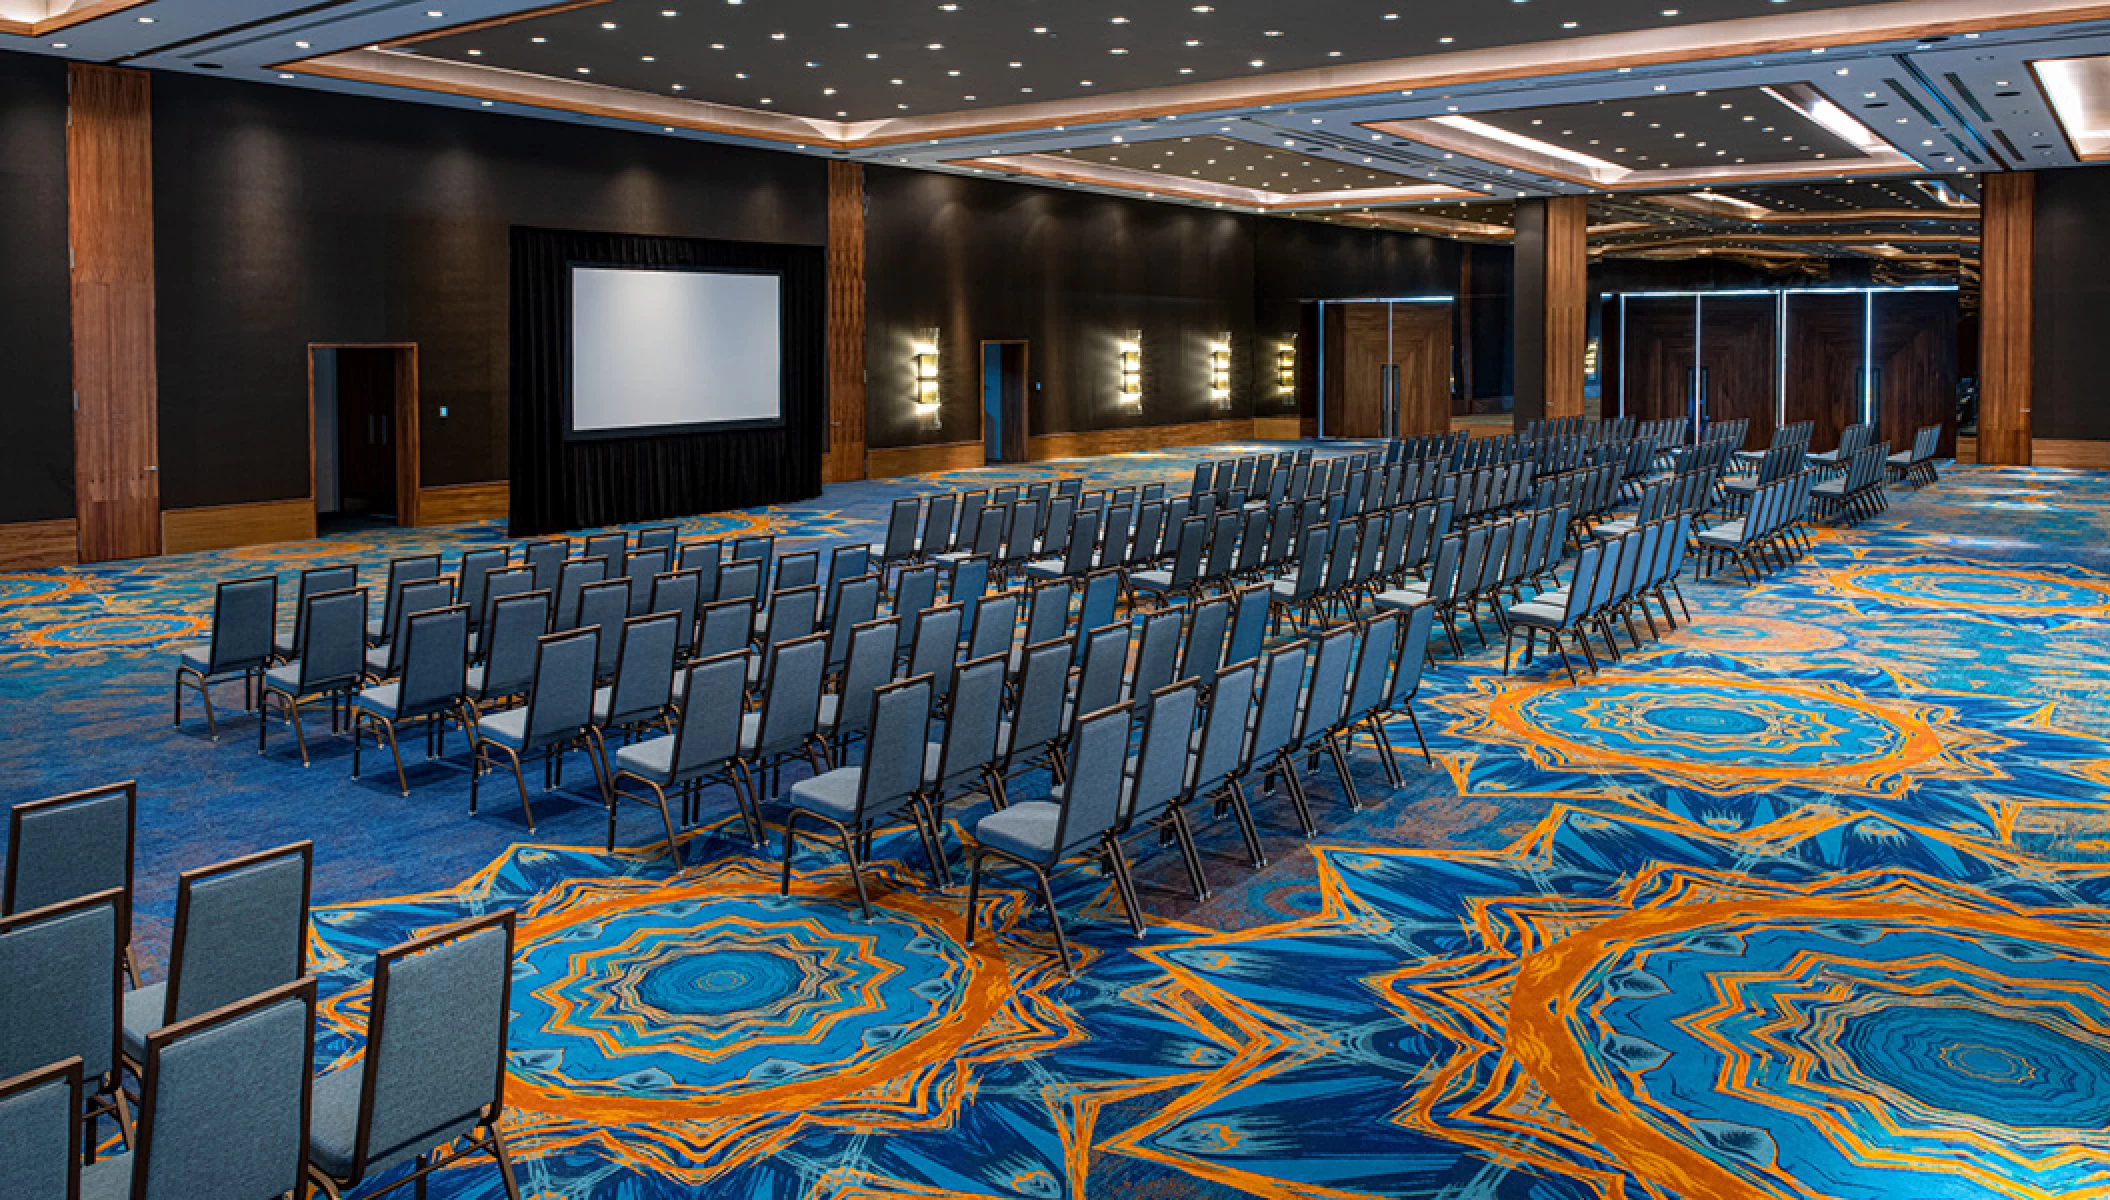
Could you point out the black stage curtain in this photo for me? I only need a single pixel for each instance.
(560, 484)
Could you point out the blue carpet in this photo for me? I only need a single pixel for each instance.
(1806, 899)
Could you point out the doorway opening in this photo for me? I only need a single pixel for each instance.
(1385, 367)
(1004, 401)
(363, 411)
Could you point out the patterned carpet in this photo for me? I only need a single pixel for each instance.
(1806, 900)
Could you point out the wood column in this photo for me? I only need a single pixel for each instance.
(1551, 313)
(2006, 320)
(110, 226)
(845, 457)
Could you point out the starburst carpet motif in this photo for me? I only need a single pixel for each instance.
(1807, 899)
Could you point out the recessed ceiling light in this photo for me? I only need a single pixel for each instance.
(58, 45)
(150, 20)
(776, 37)
(1257, 63)
(297, 45)
(935, 46)
(681, 87)
(649, 58)
(538, 40)
(283, 75)
(668, 12)
(608, 25)
(585, 70)
(1117, 20)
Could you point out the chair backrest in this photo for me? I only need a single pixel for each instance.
(513, 581)
(400, 572)
(572, 580)
(611, 548)
(1080, 549)
(704, 558)
(1102, 593)
(1048, 611)
(1327, 695)
(791, 706)
(435, 1040)
(868, 665)
(1223, 545)
(223, 1101)
(244, 624)
(415, 597)
(792, 614)
(475, 572)
(989, 531)
(1366, 693)
(1582, 583)
(857, 602)
(937, 525)
(977, 709)
(61, 983)
(915, 591)
(1248, 624)
(1187, 557)
(546, 559)
(709, 732)
(560, 699)
(1204, 650)
(1105, 667)
(893, 766)
(40, 1132)
(995, 625)
(1113, 535)
(1311, 562)
(901, 528)
(644, 669)
(1157, 657)
(1412, 654)
(1223, 741)
(315, 581)
(605, 606)
(936, 644)
(241, 929)
(1056, 521)
(797, 571)
(680, 593)
(659, 537)
(1160, 775)
(726, 627)
(1043, 682)
(641, 568)
(740, 579)
(845, 563)
(435, 662)
(334, 642)
(517, 623)
(1150, 529)
(1091, 794)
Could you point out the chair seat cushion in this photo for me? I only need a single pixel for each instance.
(1902, 459)
(108, 1178)
(1731, 534)
(1413, 595)
(333, 1127)
(1026, 830)
(1151, 581)
(474, 680)
(377, 660)
(1046, 568)
(650, 759)
(1538, 613)
(284, 679)
(832, 795)
(381, 699)
(199, 658)
(144, 1008)
(508, 729)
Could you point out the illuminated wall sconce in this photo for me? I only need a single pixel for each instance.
(1220, 371)
(1286, 366)
(1132, 369)
(925, 359)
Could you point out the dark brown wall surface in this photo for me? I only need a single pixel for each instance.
(36, 456)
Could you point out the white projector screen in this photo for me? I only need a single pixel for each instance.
(654, 351)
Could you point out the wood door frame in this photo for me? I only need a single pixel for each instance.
(407, 441)
(1025, 385)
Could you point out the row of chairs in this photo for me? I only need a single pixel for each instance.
(1855, 493)
(1613, 578)
(1769, 534)
(220, 1053)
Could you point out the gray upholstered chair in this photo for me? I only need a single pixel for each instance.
(856, 603)
(1157, 658)
(558, 715)
(915, 591)
(759, 549)
(546, 559)
(801, 570)
(725, 628)
(433, 687)
(40, 1133)
(241, 929)
(244, 637)
(1274, 727)
(604, 607)
(515, 625)
(612, 549)
(900, 544)
(704, 558)
(61, 980)
(1219, 756)
(659, 537)
(853, 801)
(704, 748)
(1029, 738)
(644, 675)
(792, 615)
(995, 626)
(498, 585)
(642, 566)
(1155, 784)
(741, 579)
(846, 714)
(331, 664)
(65, 847)
(935, 649)
(964, 761)
(572, 579)
(680, 593)
(314, 582)
(413, 599)
(435, 1064)
(786, 728)
(1042, 835)
(401, 571)
(223, 1106)
(474, 575)
(845, 563)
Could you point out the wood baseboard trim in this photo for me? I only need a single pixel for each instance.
(223, 526)
(922, 460)
(30, 545)
(1136, 438)
(461, 503)
(1278, 429)
(2072, 454)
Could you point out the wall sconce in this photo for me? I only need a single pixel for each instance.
(1286, 366)
(1220, 371)
(1132, 369)
(925, 360)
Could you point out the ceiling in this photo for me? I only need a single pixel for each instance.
(1810, 120)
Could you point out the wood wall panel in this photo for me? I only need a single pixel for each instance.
(1277, 429)
(110, 220)
(185, 530)
(1914, 344)
(1741, 353)
(2007, 208)
(461, 503)
(845, 456)
(887, 463)
(28, 545)
(1656, 357)
(1567, 303)
(1138, 438)
(1421, 345)
(1825, 346)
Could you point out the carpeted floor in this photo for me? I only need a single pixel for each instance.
(1805, 900)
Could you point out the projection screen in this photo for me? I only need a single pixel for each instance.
(658, 351)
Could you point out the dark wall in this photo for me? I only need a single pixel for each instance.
(285, 217)
(2072, 305)
(36, 456)
(1071, 273)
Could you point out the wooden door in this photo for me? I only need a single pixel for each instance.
(1656, 356)
(1421, 345)
(1825, 337)
(1357, 372)
(1361, 341)
(1914, 344)
(110, 219)
(1740, 353)
(367, 431)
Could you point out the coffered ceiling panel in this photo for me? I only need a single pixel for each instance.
(1227, 160)
(1705, 128)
